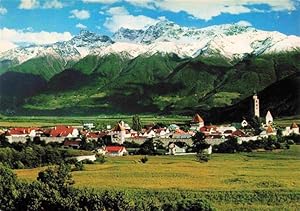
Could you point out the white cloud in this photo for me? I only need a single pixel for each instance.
(3, 10)
(118, 11)
(29, 4)
(81, 26)
(6, 45)
(10, 37)
(53, 4)
(80, 14)
(244, 23)
(142, 3)
(100, 1)
(207, 9)
(34, 4)
(120, 17)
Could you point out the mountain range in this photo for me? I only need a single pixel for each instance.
(165, 68)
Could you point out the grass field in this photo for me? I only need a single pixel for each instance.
(44, 121)
(246, 172)
(102, 120)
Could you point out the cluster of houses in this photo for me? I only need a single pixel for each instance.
(173, 137)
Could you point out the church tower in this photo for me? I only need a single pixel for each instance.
(256, 105)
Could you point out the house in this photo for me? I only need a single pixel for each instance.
(173, 127)
(64, 131)
(269, 118)
(116, 151)
(294, 128)
(176, 148)
(88, 126)
(163, 132)
(209, 130)
(244, 123)
(180, 134)
(149, 134)
(72, 144)
(197, 123)
(19, 132)
(269, 131)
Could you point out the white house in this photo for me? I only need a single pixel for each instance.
(175, 149)
(116, 151)
(293, 129)
(244, 123)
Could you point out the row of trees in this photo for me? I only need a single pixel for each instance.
(53, 191)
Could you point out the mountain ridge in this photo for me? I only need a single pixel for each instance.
(232, 41)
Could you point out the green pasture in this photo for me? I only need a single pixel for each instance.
(229, 181)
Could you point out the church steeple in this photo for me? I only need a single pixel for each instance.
(256, 105)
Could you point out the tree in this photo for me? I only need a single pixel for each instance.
(59, 177)
(136, 123)
(8, 188)
(150, 146)
(199, 145)
(256, 123)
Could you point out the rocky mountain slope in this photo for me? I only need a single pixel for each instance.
(165, 68)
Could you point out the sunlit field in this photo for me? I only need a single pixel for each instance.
(100, 121)
(274, 172)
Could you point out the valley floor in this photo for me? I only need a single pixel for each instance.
(251, 181)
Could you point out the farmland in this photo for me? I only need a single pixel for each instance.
(100, 121)
(103, 120)
(258, 180)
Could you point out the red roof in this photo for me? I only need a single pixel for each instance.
(238, 133)
(112, 149)
(70, 143)
(197, 119)
(294, 125)
(61, 131)
(270, 129)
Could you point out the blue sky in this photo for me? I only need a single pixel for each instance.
(48, 21)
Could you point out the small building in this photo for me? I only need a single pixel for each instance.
(294, 128)
(116, 151)
(72, 144)
(176, 148)
(64, 131)
(197, 123)
(244, 123)
(88, 126)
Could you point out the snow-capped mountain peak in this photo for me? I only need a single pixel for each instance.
(233, 41)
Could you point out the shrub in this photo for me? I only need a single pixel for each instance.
(79, 166)
(100, 159)
(87, 161)
(144, 159)
(202, 157)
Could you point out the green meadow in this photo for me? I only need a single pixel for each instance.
(100, 121)
(241, 181)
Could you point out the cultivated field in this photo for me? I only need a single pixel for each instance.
(99, 121)
(223, 180)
